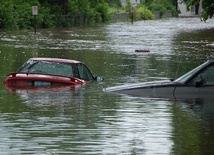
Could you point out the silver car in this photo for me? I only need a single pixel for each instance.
(197, 83)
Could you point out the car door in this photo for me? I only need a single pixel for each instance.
(84, 73)
(201, 85)
(186, 91)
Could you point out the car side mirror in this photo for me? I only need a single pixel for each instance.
(198, 83)
(98, 79)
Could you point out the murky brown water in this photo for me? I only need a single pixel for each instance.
(90, 121)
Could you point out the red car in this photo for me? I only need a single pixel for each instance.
(50, 72)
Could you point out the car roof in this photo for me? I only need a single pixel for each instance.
(56, 60)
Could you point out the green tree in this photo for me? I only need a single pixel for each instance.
(163, 6)
(17, 14)
(23, 13)
(144, 13)
(7, 19)
(207, 5)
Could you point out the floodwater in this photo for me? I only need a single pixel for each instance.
(89, 121)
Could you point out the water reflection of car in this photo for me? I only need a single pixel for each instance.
(49, 96)
(197, 83)
(50, 72)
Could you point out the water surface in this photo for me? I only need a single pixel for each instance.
(89, 121)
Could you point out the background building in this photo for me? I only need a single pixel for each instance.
(195, 10)
(133, 2)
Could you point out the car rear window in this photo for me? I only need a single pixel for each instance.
(48, 68)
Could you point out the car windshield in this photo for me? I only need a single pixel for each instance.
(64, 69)
(183, 79)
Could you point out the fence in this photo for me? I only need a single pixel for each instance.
(124, 16)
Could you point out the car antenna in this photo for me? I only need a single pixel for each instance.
(177, 69)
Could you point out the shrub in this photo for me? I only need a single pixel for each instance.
(7, 17)
(158, 7)
(143, 13)
(162, 6)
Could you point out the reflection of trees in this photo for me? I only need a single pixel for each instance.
(193, 127)
(193, 44)
(190, 46)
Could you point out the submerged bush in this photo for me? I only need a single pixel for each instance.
(142, 13)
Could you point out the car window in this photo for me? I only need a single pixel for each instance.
(184, 78)
(206, 77)
(84, 73)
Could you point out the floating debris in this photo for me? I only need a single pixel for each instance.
(142, 50)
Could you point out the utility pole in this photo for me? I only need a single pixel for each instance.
(132, 14)
(35, 13)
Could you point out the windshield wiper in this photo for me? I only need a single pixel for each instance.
(36, 62)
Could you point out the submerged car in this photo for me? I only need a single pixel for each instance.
(197, 83)
(50, 72)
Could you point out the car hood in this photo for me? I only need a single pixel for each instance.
(162, 83)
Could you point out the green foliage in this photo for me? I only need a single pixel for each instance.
(103, 9)
(162, 6)
(143, 13)
(17, 14)
(158, 7)
(114, 3)
(207, 5)
(88, 12)
(23, 15)
(128, 6)
(7, 19)
(44, 18)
